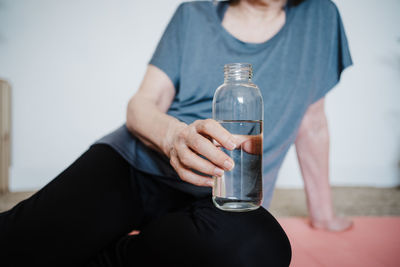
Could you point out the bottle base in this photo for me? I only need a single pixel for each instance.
(235, 205)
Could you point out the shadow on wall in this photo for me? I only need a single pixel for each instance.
(397, 116)
(393, 61)
(398, 152)
(2, 10)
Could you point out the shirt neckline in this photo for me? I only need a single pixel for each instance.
(219, 13)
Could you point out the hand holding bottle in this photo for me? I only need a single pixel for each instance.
(190, 143)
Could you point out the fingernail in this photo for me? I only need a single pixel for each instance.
(218, 172)
(228, 165)
(231, 145)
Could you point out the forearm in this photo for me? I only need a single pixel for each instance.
(312, 147)
(151, 125)
(181, 143)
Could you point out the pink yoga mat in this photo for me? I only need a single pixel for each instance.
(372, 242)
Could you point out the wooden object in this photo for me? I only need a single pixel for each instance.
(5, 133)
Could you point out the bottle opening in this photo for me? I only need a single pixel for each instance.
(238, 72)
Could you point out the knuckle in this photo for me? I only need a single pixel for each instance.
(211, 169)
(192, 129)
(184, 176)
(172, 162)
(206, 168)
(196, 123)
(209, 121)
(226, 136)
(196, 143)
(201, 126)
(185, 158)
(175, 149)
(208, 124)
(182, 135)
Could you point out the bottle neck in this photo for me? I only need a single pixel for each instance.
(238, 72)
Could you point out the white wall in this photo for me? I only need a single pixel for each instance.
(74, 64)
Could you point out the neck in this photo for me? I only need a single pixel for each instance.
(259, 10)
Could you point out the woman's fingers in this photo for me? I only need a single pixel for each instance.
(188, 175)
(203, 146)
(251, 144)
(196, 140)
(213, 129)
(193, 161)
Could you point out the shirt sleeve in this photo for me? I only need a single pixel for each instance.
(338, 57)
(168, 53)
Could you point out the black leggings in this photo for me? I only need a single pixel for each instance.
(83, 217)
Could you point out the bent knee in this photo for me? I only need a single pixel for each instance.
(256, 239)
(245, 239)
(206, 236)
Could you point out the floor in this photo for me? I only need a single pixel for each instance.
(349, 201)
(373, 241)
(8, 200)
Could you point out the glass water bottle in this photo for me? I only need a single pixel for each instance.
(238, 107)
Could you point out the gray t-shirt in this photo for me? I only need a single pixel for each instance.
(293, 69)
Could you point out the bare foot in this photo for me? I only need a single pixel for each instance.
(337, 224)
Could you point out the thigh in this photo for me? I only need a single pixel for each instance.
(89, 205)
(202, 235)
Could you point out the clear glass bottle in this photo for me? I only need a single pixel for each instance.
(238, 107)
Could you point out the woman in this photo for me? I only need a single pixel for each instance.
(146, 174)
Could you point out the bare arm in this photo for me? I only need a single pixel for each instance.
(312, 147)
(147, 119)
